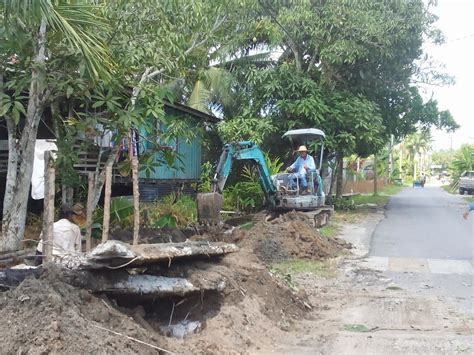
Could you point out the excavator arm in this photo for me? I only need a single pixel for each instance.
(242, 151)
(209, 204)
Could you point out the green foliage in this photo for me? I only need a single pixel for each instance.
(248, 195)
(463, 160)
(207, 172)
(442, 157)
(121, 212)
(343, 204)
(170, 212)
(380, 199)
(167, 221)
(289, 268)
(329, 230)
(246, 127)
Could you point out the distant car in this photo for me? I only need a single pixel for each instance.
(466, 183)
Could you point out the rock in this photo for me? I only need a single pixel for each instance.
(182, 329)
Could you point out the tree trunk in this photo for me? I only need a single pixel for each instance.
(340, 173)
(401, 162)
(414, 168)
(48, 214)
(331, 185)
(89, 210)
(100, 178)
(108, 192)
(136, 201)
(390, 158)
(21, 154)
(375, 175)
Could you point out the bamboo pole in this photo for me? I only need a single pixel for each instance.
(48, 214)
(136, 201)
(375, 175)
(89, 211)
(108, 192)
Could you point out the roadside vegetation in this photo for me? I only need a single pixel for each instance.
(379, 199)
(456, 163)
(110, 66)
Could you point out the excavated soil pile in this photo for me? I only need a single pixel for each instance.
(291, 235)
(254, 303)
(47, 315)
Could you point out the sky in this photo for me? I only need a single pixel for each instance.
(456, 21)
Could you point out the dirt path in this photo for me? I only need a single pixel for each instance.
(362, 311)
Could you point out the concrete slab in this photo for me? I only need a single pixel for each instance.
(445, 266)
(376, 263)
(408, 265)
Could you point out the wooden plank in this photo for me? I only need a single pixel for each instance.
(18, 253)
(89, 211)
(48, 214)
(108, 192)
(136, 201)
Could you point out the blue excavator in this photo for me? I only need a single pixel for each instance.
(282, 191)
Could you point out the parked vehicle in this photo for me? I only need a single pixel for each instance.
(466, 183)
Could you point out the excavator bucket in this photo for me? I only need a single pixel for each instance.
(209, 207)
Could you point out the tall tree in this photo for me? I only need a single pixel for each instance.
(37, 39)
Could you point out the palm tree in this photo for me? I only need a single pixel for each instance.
(32, 29)
(418, 144)
(213, 90)
(463, 161)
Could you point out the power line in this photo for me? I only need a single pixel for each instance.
(460, 38)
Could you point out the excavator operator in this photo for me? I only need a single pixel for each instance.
(303, 165)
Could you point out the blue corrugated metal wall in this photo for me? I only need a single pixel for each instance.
(189, 168)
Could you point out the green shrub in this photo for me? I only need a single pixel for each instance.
(170, 212)
(344, 204)
(248, 195)
(463, 161)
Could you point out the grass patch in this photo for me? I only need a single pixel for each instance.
(381, 198)
(299, 266)
(448, 189)
(329, 230)
(352, 216)
(375, 199)
(391, 189)
(246, 226)
(360, 328)
(394, 288)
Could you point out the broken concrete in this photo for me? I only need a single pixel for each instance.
(114, 254)
(146, 286)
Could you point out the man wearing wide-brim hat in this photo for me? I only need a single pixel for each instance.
(302, 166)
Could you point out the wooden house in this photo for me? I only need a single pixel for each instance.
(153, 184)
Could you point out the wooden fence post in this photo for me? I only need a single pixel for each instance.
(108, 192)
(136, 201)
(48, 214)
(89, 211)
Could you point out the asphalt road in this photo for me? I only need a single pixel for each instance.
(425, 223)
(425, 246)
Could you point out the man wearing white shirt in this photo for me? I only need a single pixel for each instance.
(66, 236)
(302, 166)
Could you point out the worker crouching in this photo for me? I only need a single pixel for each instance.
(66, 234)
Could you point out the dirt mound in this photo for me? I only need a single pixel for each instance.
(291, 236)
(254, 303)
(47, 315)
